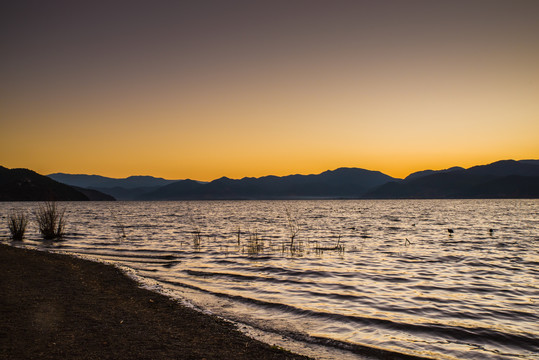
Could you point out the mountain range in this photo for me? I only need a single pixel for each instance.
(27, 185)
(129, 188)
(501, 179)
(340, 183)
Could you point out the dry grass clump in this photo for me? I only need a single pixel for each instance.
(17, 222)
(197, 238)
(255, 245)
(50, 221)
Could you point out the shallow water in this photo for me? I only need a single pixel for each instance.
(360, 275)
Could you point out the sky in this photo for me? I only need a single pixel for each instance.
(202, 89)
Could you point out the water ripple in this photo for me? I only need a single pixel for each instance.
(376, 278)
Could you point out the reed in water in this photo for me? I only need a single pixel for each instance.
(17, 222)
(50, 221)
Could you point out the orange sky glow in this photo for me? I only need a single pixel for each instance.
(204, 89)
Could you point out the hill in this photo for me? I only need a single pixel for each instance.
(182, 189)
(94, 195)
(129, 188)
(96, 181)
(423, 173)
(340, 183)
(27, 185)
(501, 179)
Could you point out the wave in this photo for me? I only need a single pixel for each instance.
(477, 335)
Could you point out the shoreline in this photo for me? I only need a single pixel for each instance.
(59, 306)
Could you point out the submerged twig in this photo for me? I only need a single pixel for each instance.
(293, 227)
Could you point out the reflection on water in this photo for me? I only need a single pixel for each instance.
(356, 275)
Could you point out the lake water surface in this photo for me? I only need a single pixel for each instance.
(359, 278)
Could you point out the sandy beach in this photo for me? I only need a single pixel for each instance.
(56, 306)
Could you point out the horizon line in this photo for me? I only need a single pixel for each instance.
(290, 174)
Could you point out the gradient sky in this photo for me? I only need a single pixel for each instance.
(202, 89)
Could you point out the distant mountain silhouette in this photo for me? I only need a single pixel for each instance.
(506, 168)
(419, 174)
(27, 185)
(340, 183)
(94, 181)
(121, 193)
(531, 162)
(176, 191)
(513, 186)
(94, 195)
(128, 188)
(502, 179)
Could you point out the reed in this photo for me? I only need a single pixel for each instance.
(337, 247)
(17, 222)
(120, 227)
(50, 221)
(121, 230)
(293, 227)
(254, 244)
(197, 238)
(239, 235)
(297, 249)
(196, 231)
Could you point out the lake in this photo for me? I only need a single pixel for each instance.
(444, 279)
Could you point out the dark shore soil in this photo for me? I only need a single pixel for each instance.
(59, 307)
